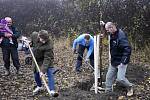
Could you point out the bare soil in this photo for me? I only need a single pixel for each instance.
(69, 84)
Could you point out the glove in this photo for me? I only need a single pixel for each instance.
(25, 41)
(24, 38)
(74, 51)
(86, 60)
(42, 74)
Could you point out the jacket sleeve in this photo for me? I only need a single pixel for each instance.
(126, 49)
(78, 40)
(16, 33)
(75, 44)
(91, 47)
(48, 59)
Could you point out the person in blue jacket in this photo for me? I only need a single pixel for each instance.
(84, 41)
(120, 52)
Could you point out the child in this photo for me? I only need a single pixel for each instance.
(5, 29)
(43, 52)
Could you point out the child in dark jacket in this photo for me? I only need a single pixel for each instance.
(43, 52)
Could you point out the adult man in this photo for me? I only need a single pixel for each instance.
(9, 48)
(120, 51)
(85, 41)
(43, 52)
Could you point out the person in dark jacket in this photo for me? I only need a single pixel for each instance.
(43, 51)
(120, 52)
(10, 49)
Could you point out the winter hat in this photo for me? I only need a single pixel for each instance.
(44, 35)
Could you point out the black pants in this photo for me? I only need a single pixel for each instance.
(80, 54)
(10, 51)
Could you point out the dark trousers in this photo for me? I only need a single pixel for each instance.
(81, 50)
(10, 51)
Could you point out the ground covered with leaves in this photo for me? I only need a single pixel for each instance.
(69, 84)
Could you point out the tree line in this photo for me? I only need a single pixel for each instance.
(60, 16)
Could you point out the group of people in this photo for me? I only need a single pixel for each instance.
(120, 51)
(42, 44)
(42, 48)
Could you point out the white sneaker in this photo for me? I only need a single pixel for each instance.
(53, 93)
(37, 89)
(130, 91)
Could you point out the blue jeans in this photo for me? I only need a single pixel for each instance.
(116, 73)
(50, 79)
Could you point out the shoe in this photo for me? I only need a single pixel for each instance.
(130, 91)
(7, 73)
(37, 90)
(53, 93)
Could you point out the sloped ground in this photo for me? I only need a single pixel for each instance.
(70, 85)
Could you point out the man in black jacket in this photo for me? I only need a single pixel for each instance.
(10, 49)
(120, 52)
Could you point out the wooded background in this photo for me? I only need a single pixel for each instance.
(59, 16)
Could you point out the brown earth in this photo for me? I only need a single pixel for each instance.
(70, 85)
